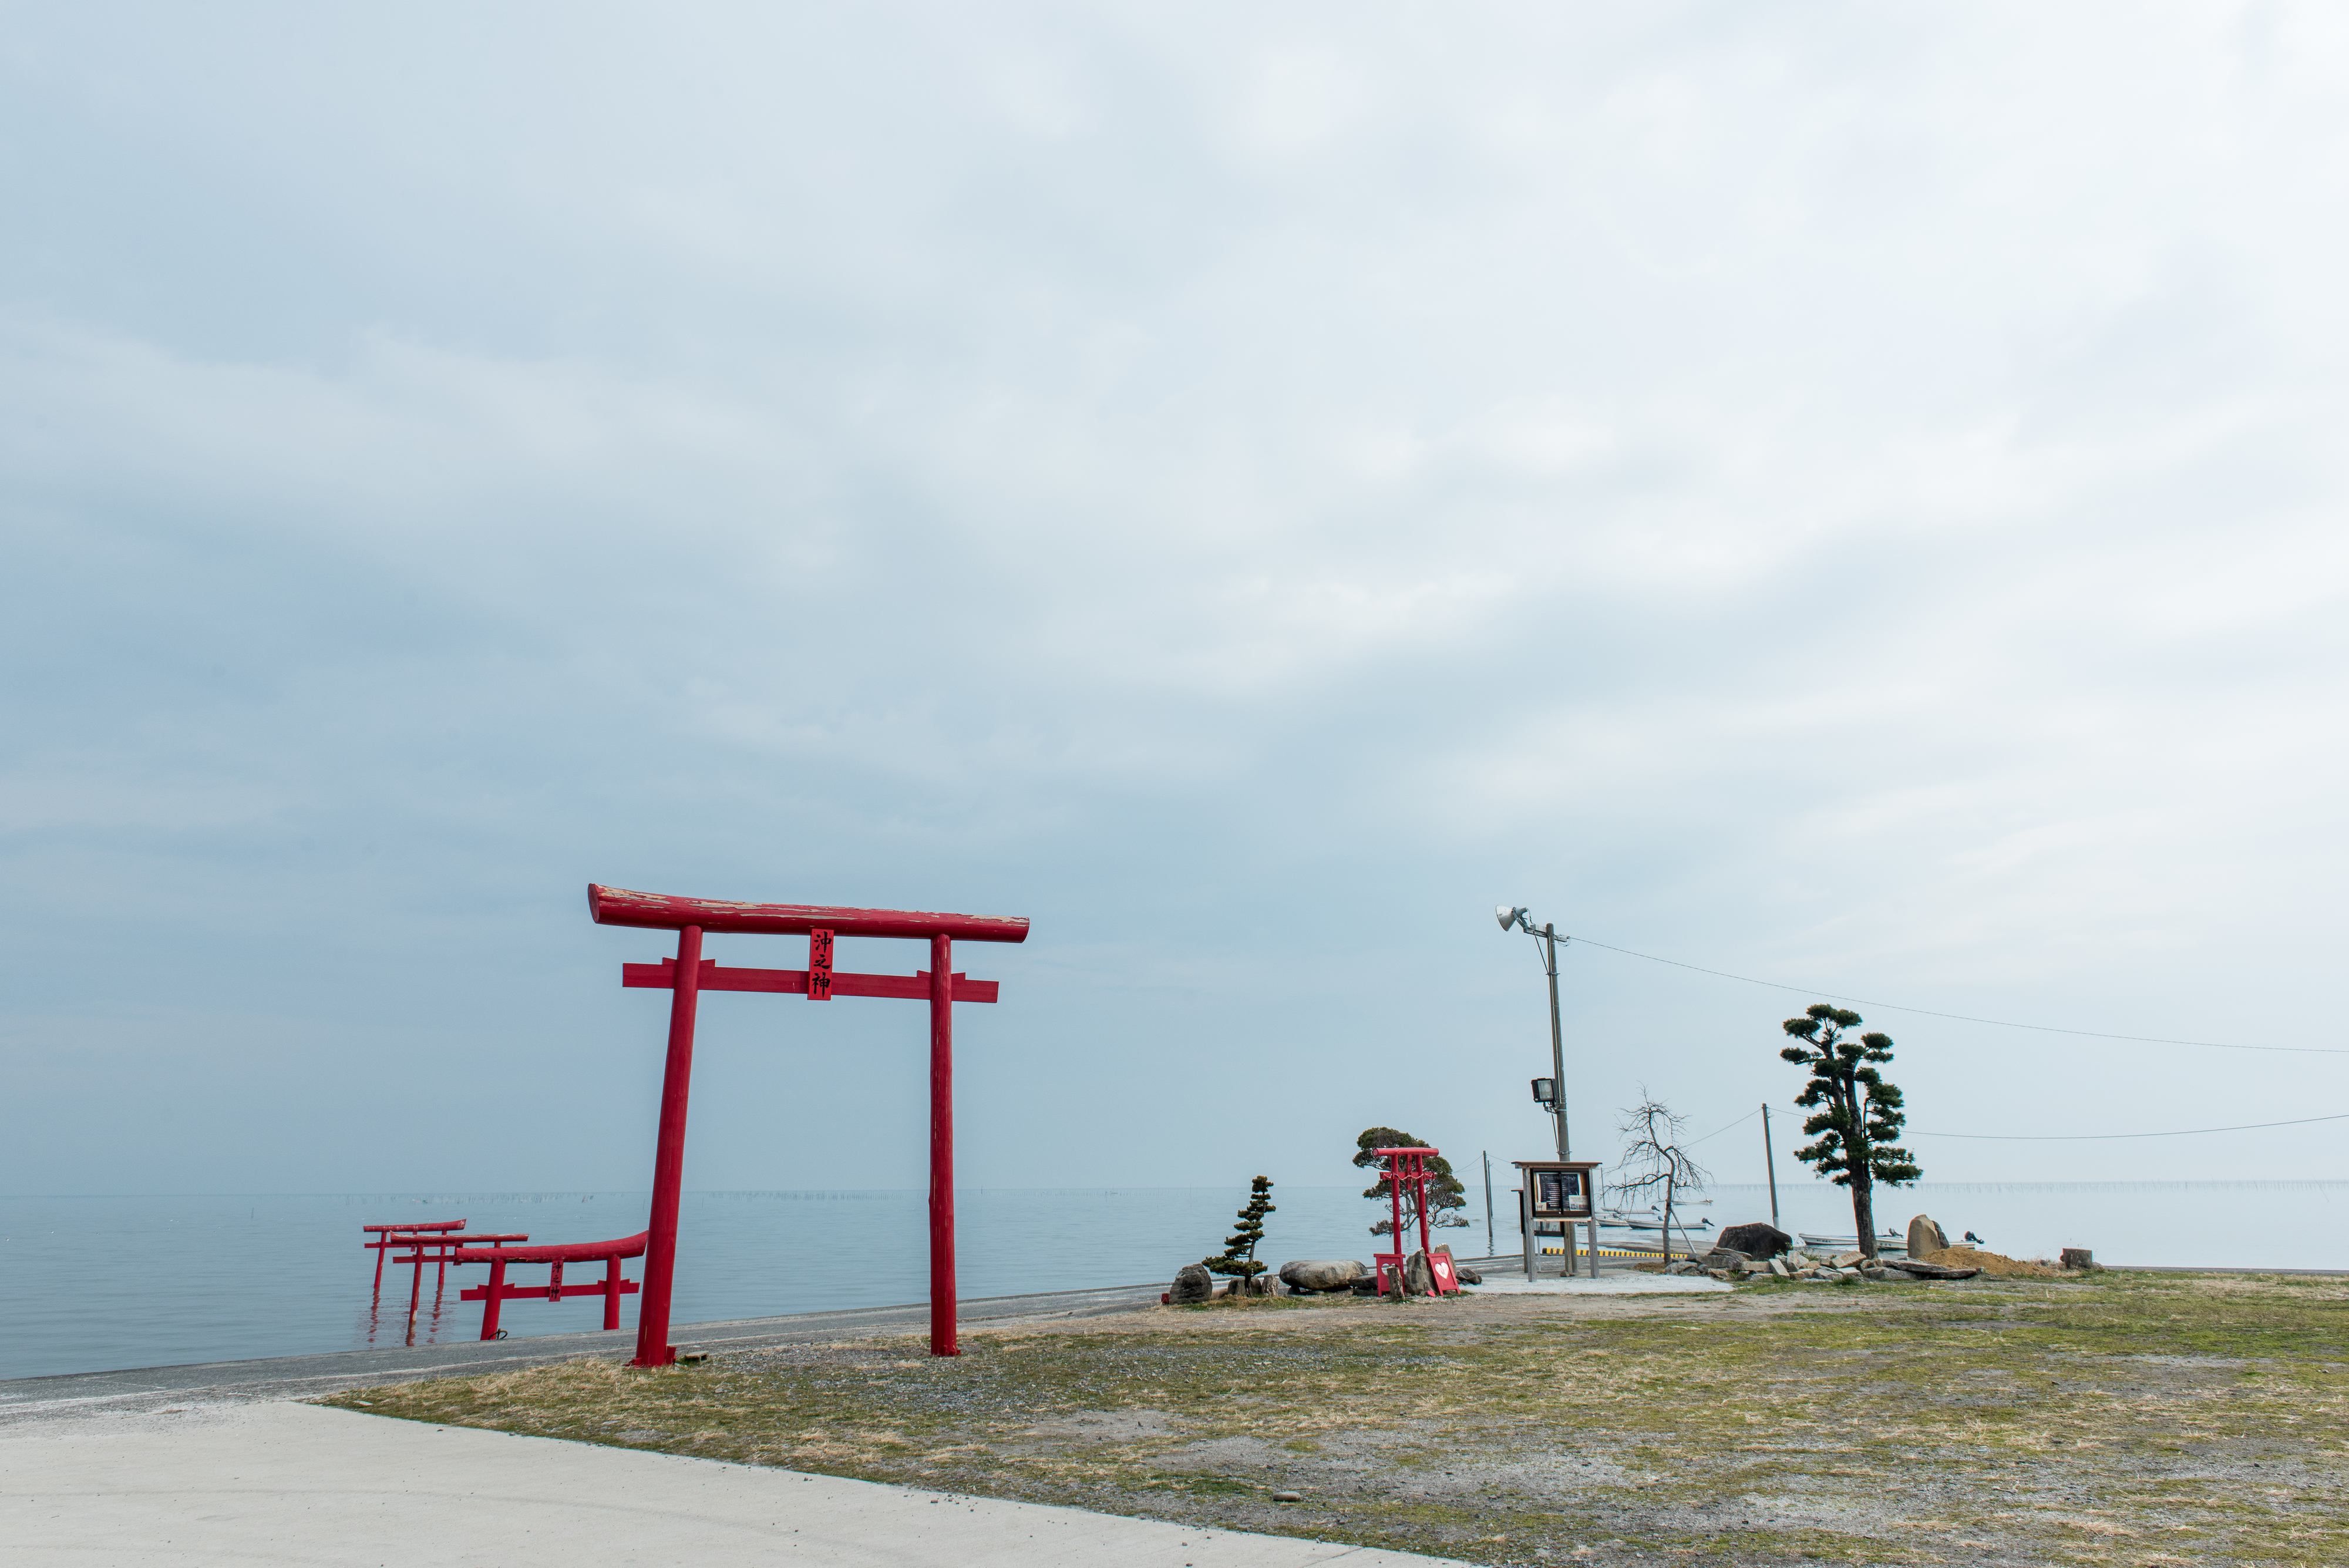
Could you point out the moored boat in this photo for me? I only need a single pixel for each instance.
(1652, 1218)
(1888, 1242)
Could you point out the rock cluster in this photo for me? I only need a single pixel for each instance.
(1723, 1264)
(1744, 1248)
(1195, 1284)
(1308, 1276)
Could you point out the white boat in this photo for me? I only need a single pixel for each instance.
(1888, 1242)
(1650, 1219)
(1655, 1228)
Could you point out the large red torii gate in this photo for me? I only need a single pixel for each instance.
(688, 974)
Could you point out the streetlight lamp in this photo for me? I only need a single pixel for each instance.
(1549, 1092)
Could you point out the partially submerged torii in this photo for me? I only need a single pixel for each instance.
(688, 974)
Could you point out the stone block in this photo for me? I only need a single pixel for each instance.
(1925, 1237)
(1417, 1275)
(1756, 1240)
(1321, 1274)
(1192, 1284)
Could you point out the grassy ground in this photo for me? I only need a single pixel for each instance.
(2126, 1419)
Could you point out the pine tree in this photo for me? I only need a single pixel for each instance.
(1859, 1113)
(1240, 1248)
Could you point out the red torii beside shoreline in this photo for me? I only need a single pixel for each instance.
(1408, 1168)
(688, 974)
(496, 1292)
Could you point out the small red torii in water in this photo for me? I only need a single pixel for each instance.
(688, 974)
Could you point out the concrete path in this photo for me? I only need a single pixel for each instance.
(283, 1483)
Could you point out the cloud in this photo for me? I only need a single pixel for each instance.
(1834, 494)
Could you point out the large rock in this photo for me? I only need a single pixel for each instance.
(1321, 1274)
(1925, 1237)
(1756, 1239)
(1725, 1258)
(1417, 1275)
(2078, 1258)
(1917, 1268)
(1192, 1284)
(1467, 1275)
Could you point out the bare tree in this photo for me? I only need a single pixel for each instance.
(1652, 1158)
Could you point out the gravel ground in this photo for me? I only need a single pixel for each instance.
(2121, 1418)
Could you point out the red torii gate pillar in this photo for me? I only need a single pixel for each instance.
(689, 975)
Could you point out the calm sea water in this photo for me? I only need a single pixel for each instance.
(94, 1283)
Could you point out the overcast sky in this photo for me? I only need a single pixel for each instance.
(1846, 494)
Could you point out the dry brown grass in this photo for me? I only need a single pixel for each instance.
(2119, 1419)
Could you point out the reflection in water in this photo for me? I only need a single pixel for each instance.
(422, 1252)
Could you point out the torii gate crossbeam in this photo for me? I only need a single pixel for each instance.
(688, 974)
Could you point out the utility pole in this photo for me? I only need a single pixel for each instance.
(1515, 918)
(1770, 1159)
(1490, 1239)
(1557, 1039)
(1518, 919)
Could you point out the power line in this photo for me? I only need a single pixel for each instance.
(1718, 1131)
(2098, 1137)
(2061, 1138)
(1967, 1018)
